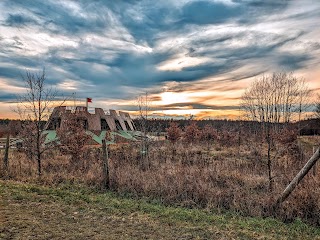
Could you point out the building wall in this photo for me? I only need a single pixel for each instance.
(60, 114)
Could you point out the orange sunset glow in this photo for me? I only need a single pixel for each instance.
(191, 57)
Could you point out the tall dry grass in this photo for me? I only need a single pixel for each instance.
(211, 176)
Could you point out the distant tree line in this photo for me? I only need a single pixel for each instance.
(308, 126)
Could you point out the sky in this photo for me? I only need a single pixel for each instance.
(191, 57)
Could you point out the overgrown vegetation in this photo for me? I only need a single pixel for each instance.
(219, 170)
(76, 212)
(272, 100)
(34, 106)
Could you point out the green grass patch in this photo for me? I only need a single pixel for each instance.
(112, 204)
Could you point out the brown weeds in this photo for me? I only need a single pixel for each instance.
(217, 177)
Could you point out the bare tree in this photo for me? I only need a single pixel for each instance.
(144, 103)
(34, 107)
(272, 100)
(278, 98)
(303, 98)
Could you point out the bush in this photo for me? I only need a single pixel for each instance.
(173, 132)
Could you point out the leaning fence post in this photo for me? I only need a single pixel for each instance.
(105, 165)
(298, 177)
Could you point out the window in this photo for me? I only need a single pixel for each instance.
(54, 124)
(118, 125)
(104, 125)
(127, 125)
(134, 127)
(83, 123)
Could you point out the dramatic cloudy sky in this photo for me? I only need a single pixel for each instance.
(192, 57)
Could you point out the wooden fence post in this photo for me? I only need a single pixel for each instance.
(298, 177)
(6, 155)
(315, 165)
(105, 165)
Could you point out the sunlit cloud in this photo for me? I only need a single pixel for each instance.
(172, 97)
(192, 57)
(178, 63)
(7, 86)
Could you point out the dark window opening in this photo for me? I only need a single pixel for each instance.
(54, 124)
(127, 125)
(134, 126)
(104, 125)
(83, 123)
(118, 125)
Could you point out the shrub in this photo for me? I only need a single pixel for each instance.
(173, 132)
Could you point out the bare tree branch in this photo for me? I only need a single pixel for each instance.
(34, 108)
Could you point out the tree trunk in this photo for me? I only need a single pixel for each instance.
(38, 150)
(269, 166)
(106, 183)
(39, 164)
(269, 142)
(285, 194)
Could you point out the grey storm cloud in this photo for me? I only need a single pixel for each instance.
(18, 20)
(205, 12)
(55, 17)
(7, 97)
(291, 62)
(109, 46)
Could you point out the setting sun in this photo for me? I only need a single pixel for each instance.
(168, 98)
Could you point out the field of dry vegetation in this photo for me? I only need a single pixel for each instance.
(219, 171)
(31, 211)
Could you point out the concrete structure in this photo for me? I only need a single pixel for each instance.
(97, 121)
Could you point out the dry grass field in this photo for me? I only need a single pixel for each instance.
(215, 177)
(75, 212)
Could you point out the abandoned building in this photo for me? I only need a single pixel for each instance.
(97, 121)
